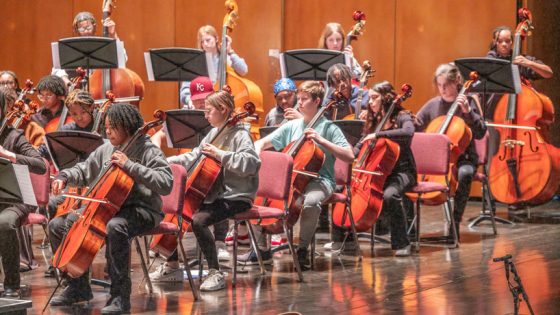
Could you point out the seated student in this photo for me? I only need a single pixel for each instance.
(330, 140)
(141, 211)
(51, 92)
(15, 148)
(233, 191)
(339, 77)
(400, 129)
(285, 96)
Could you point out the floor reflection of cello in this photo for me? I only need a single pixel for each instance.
(122, 82)
(243, 90)
(525, 169)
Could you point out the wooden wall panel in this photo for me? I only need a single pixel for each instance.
(431, 32)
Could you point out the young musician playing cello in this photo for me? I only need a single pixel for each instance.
(285, 96)
(51, 92)
(339, 77)
(141, 211)
(207, 37)
(399, 128)
(449, 82)
(330, 140)
(15, 148)
(234, 190)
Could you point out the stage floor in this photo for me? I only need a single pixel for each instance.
(434, 281)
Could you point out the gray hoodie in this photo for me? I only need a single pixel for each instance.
(240, 164)
(146, 165)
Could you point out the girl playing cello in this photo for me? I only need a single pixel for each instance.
(141, 211)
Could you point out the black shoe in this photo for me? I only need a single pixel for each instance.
(450, 232)
(117, 305)
(72, 295)
(303, 259)
(11, 293)
(49, 273)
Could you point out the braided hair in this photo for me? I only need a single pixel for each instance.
(81, 98)
(125, 116)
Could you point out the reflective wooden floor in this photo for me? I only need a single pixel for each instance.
(433, 281)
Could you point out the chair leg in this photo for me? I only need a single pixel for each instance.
(294, 255)
(449, 214)
(143, 264)
(353, 226)
(200, 263)
(372, 238)
(235, 231)
(255, 247)
(312, 252)
(147, 249)
(194, 287)
(418, 223)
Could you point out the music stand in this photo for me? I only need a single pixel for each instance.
(496, 76)
(67, 148)
(22, 192)
(310, 64)
(175, 64)
(186, 127)
(88, 52)
(265, 131)
(352, 129)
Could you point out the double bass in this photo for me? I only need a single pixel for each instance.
(525, 168)
(242, 89)
(373, 165)
(203, 173)
(123, 82)
(102, 201)
(460, 136)
(308, 160)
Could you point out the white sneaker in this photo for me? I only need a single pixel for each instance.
(404, 252)
(223, 254)
(242, 235)
(332, 246)
(277, 240)
(164, 273)
(214, 282)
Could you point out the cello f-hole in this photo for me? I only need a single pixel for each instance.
(528, 134)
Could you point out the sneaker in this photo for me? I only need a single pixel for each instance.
(214, 282)
(303, 259)
(49, 273)
(250, 258)
(223, 254)
(116, 305)
(153, 254)
(277, 240)
(72, 295)
(165, 273)
(404, 252)
(332, 246)
(11, 293)
(242, 236)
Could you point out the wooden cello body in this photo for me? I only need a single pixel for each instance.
(200, 181)
(374, 164)
(525, 168)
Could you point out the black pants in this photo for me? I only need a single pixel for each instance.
(10, 221)
(395, 187)
(125, 225)
(465, 173)
(220, 233)
(210, 214)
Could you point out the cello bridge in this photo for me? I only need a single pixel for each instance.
(512, 143)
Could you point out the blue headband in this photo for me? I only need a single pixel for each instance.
(283, 85)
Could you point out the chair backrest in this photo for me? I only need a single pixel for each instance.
(431, 153)
(275, 175)
(341, 172)
(173, 202)
(481, 146)
(41, 185)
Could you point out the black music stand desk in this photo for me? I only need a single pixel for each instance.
(69, 147)
(310, 64)
(186, 128)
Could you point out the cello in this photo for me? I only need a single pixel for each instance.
(308, 160)
(526, 167)
(366, 75)
(460, 136)
(122, 81)
(203, 173)
(102, 201)
(242, 89)
(57, 122)
(373, 165)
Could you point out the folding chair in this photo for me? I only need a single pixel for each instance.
(431, 152)
(488, 208)
(172, 204)
(275, 177)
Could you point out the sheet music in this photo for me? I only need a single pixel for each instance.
(25, 186)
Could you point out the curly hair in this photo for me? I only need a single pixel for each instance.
(342, 71)
(54, 84)
(80, 98)
(125, 116)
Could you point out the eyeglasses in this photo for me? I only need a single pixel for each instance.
(44, 97)
(7, 83)
(85, 28)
